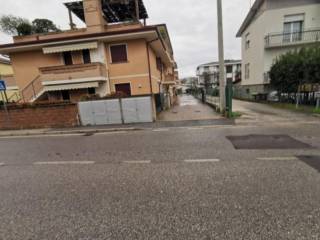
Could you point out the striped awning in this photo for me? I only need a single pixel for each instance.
(71, 47)
(71, 86)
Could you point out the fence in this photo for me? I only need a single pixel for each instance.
(116, 111)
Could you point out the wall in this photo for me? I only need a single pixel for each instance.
(135, 71)
(26, 65)
(5, 69)
(58, 115)
(271, 21)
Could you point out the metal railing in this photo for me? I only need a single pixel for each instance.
(31, 91)
(293, 38)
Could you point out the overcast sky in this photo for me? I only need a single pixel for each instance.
(192, 25)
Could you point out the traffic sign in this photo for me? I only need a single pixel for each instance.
(3, 85)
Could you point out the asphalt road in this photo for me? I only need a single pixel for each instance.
(179, 183)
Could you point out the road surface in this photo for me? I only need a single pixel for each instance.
(167, 183)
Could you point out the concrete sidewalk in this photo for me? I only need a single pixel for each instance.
(116, 128)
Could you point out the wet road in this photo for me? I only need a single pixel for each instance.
(188, 108)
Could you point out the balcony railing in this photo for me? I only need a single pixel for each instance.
(62, 73)
(294, 38)
(70, 72)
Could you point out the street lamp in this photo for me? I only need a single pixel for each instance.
(221, 59)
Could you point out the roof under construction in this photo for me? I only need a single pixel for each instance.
(114, 10)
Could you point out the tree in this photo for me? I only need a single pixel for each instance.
(19, 26)
(44, 26)
(24, 29)
(294, 69)
(10, 24)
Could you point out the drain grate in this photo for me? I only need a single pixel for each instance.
(312, 161)
(266, 142)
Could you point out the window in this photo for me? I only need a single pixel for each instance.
(65, 95)
(247, 43)
(124, 88)
(86, 56)
(229, 69)
(91, 91)
(67, 58)
(247, 71)
(118, 53)
(293, 27)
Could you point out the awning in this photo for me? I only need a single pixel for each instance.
(72, 47)
(71, 86)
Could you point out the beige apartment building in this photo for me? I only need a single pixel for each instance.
(272, 28)
(115, 53)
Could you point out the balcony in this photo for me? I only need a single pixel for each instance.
(292, 39)
(77, 72)
(52, 76)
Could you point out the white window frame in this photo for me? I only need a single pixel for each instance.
(118, 44)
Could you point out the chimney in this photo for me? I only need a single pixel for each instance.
(94, 16)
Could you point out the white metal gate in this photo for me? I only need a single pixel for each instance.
(137, 110)
(116, 111)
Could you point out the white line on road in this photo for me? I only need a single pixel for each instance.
(161, 130)
(277, 158)
(110, 133)
(65, 163)
(202, 160)
(137, 162)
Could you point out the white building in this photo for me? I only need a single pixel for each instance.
(272, 28)
(209, 72)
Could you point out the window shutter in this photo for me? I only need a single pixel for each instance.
(118, 53)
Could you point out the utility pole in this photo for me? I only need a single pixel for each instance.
(221, 59)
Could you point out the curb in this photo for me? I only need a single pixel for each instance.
(70, 132)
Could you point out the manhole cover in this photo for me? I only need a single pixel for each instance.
(266, 142)
(312, 161)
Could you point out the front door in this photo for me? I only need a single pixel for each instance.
(123, 88)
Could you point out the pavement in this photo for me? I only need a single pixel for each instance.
(250, 180)
(180, 183)
(189, 108)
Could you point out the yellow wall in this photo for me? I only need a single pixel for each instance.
(5, 69)
(136, 70)
(26, 65)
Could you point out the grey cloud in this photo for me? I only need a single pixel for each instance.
(192, 25)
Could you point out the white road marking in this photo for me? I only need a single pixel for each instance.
(277, 158)
(161, 130)
(65, 163)
(137, 162)
(202, 160)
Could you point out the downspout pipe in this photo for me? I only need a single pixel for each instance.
(150, 76)
(149, 63)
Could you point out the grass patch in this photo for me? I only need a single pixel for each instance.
(316, 111)
(236, 114)
(292, 107)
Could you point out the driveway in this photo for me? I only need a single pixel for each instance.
(258, 113)
(188, 108)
